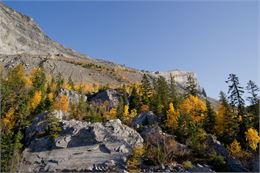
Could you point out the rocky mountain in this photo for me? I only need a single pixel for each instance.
(23, 41)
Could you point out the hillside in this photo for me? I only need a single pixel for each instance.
(23, 41)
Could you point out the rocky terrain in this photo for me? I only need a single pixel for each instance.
(81, 146)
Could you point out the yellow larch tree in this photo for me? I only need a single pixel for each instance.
(172, 117)
(235, 149)
(62, 103)
(36, 99)
(252, 138)
(9, 119)
(194, 107)
(220, 119)
(126, 113)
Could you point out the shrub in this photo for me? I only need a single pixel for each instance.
(187, 164)
(133, 163)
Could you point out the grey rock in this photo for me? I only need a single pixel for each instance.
(110, 96)
(144, 119)
(232, 163)
(73, 96)
(81, 146)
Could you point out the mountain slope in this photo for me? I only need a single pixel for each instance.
(23, 41)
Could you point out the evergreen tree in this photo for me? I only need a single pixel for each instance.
(134, 100)
(163, 92)
(253, 108)
(39, 79)
(229, 120)
(236, 101)
(210, 119)
(203, 92)
(120, 108)
(235, 92)
(146, 90)
(174, 98)
(191, 86)
(252, 89)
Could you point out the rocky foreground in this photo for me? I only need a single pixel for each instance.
(81, 146)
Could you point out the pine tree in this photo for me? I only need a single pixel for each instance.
(253, 109)
(252, 89)
(146, 90)
(235, 92)
(134, 100)
(237, 102)
(203, 92)
(174, 98)
(191, 86)
(227, 125)
(210, 119)
(120, 108)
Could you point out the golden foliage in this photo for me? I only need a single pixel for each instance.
(27, 81)
(235, 149)
(9, 119)
(133, 113)
(36, 99)
(194, 107)
(126, 112)
(62, 103)
(50, 96)
(111, 114)
(67, 86)
(252, 138)
(172, 117)
(133, 163)
(220, 121)
(144, 108)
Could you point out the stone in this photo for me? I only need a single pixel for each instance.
(110, 96)
(232, 163)
(144, 119)
(81, 146)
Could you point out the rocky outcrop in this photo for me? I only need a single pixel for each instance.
(155, 136)
(232, 163)
(73, 96)
(81, 146)
(110, 96)
(144, 119)
(179, 76)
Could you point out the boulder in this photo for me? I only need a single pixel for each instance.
(155, 136)
(81, 146)
(39, 125)
(110, 96)
(73, 96)
(232, 163)
(144, 119)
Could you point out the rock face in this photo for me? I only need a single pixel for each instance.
(144, 119)
(110, 96)
(81, 146)
(179, 76)
(19, 34)
(73, 96)
(232, 164)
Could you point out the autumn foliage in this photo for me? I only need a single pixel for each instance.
(194, 107)
(62, 103)
(252, 138)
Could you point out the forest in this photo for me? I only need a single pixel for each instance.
(185, 113)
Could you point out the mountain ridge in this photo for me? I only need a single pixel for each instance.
(23, 41)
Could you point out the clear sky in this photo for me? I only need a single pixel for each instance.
(210, 38)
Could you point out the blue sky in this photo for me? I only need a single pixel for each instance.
(210, 38)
